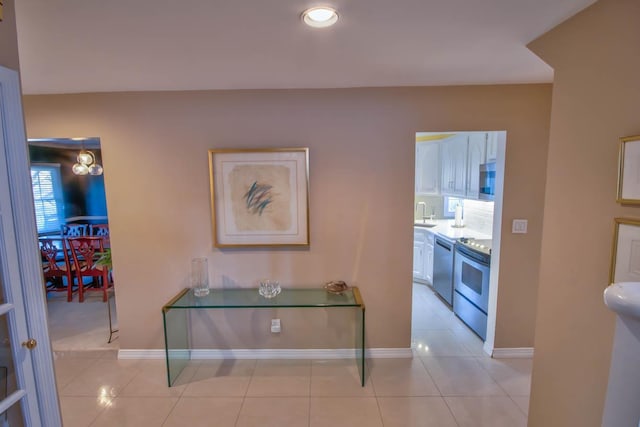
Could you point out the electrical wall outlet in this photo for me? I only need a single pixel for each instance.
(275, 326)
(519, 226)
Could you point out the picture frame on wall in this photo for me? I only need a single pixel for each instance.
(259, 197)
(629, 171)
(625, 254)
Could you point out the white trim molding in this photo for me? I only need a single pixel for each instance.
(513, 353)
(202, 354)
(19, 232)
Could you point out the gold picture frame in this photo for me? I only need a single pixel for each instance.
(259, 197)
(629, 171)
(625, 251)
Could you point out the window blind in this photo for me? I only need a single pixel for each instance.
(47, 197)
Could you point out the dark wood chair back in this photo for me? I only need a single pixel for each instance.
(56, 266)
(99, 229)
(74, 230)
(85, 252)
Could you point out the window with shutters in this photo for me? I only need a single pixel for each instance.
(47, 197)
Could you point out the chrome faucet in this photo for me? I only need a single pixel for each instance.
(424, 210)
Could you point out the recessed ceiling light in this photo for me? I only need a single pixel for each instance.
(320, 17)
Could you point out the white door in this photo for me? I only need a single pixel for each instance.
(26, 364)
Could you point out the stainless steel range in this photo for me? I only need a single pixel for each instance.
(471, 283)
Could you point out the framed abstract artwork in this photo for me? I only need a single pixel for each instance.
(629, 171)
(625, 254)
(259, 197)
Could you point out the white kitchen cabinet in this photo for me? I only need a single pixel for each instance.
(428, 168)
(423, 241)
(428, 257)
(454, 166)
(476, 155)
(492, 146)
(418, 253)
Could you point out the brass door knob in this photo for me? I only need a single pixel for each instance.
(30, 343)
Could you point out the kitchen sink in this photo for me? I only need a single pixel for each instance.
(424, 224)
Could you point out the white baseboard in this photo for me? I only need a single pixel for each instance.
(513, 353)
(141, 354)
(371, 353)
(389, 353)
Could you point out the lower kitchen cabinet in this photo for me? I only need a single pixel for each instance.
(423, 240)
(428, 257)
(418, 254)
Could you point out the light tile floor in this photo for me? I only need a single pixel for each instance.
(81, 326)
(449, 382)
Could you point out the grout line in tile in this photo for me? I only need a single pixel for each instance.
(518, 406)
(169, 413)
(431, 376)
(450, 411)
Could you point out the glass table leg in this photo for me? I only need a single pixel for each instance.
(360, 348)
(176, 339)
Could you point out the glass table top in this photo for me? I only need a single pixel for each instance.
(250, 298)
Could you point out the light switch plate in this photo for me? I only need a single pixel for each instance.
(519, 226)
(275, 326)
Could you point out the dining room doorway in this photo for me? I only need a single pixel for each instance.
(74, 237)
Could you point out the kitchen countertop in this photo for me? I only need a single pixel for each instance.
(445, 228)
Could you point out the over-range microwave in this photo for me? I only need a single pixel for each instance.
(487, 182)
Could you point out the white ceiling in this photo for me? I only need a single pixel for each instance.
(71, 46)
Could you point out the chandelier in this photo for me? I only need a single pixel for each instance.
(87, 164)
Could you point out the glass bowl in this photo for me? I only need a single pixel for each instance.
(269, 288)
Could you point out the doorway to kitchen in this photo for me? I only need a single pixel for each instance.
(74, 238)
(457, 216)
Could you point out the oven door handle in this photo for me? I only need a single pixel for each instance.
(470, 254)
(444, 245)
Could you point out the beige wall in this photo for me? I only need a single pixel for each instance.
(8, 37)
(595, 100)
(361, 141)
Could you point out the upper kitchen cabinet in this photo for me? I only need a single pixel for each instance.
(492, 146)
(428, 168)
(454, 166)
(476, 155)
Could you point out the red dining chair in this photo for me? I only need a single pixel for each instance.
(100, 230)
(56, 267)
(74, 230)
(85, 252)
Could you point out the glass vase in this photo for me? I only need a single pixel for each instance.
(200, 276)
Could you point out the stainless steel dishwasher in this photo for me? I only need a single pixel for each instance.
(443, 268)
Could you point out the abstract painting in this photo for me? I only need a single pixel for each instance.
(259, 197)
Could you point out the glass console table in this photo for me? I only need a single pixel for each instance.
(176, 324)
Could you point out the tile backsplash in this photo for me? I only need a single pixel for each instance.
(434, 204)
(478, 216)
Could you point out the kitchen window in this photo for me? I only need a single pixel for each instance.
(450, 204)
(46, 183)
